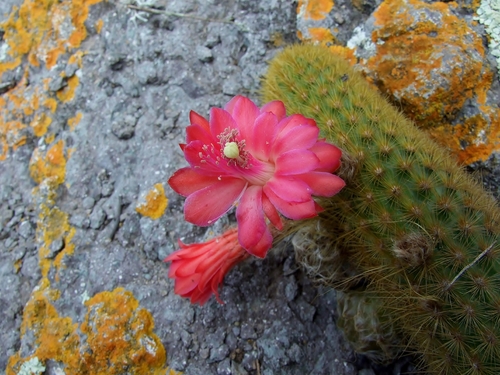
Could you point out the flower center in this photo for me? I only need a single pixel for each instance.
(233, 150)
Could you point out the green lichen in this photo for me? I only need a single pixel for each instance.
(488, 14)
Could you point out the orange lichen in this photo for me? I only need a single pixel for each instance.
(314, 9)
(52, 166)
(68, 93)
(37, 32)
(410, 55)
(321, 35)
(51, 104)
(53, 225)
(474, 139)
(38, 28)
(154, 203)
(40, 124)
(345, 52)
(413, 51)
(98, 25)
(72, 122)
(118, 336)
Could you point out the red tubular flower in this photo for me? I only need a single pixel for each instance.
(261, 159)
(199, 268)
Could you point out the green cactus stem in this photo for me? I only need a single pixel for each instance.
(411, 227)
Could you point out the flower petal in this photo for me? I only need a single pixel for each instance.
(196, 119)
(300, 137)
(264, 133)
(292, 210)
(277, 107)
(291, 122)
(271, 212)
(220, 120)
(328, 155)
(244, 113)
(322, 184)
(186, 285)
(197, 158)
(250, 217)
(205, 206)
(266, 242)
(290, 189)
(199, 133)
(296, 162)
(186, 181)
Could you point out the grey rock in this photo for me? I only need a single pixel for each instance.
(291, 288)
(5, 215)
(79, 220)
(57, 83)
(224, 367)
(70, 70)
(6, 86)
(146, 73)
(247, 332)
(192, 89)
(366, 371)
(218, 354)
(26, 229)
(295, 353)
(107, 188)
(212, 40)
(204, 54)
(124, 127)
(55, 247)
(305, 310)
(88, 203)
(10, 242)
(232, 86)
(97, 218)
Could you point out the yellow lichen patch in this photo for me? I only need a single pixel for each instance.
(314, 9)
(154, 203)
(72, 122)
(118, 337)
(68, 93)
(40, 124)
(52, 166)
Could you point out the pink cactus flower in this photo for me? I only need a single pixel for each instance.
(260, 160)
(198, 269)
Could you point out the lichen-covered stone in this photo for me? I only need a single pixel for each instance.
(115, 337)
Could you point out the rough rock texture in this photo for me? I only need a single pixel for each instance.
(94, 99)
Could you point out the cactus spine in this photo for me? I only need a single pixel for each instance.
(411, 227)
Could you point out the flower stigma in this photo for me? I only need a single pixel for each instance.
(234, 150)
(231, 150)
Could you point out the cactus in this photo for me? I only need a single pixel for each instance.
(411, 228)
